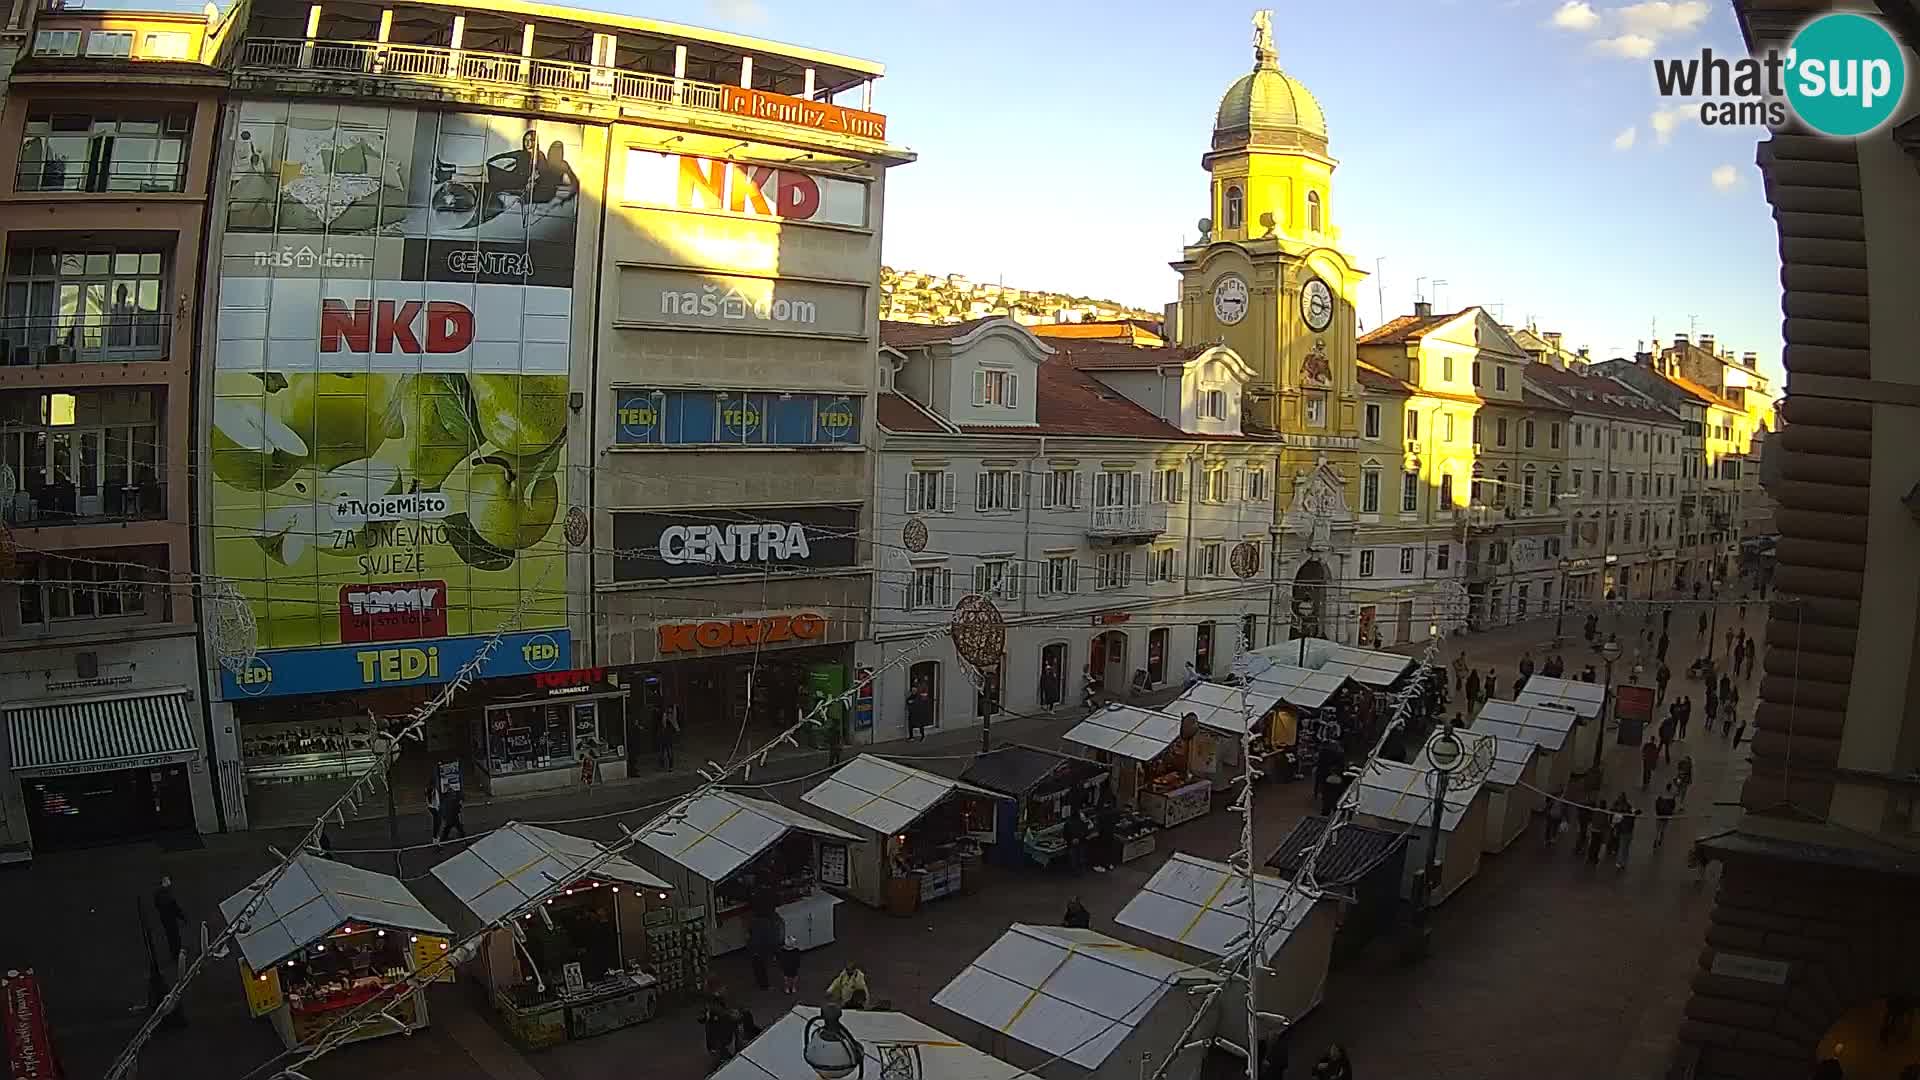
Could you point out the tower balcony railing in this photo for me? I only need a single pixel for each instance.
(482, 69)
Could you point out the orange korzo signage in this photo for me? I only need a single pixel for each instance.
(782, 109)
(741, 633)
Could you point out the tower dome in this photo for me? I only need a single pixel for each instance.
(1268, 108)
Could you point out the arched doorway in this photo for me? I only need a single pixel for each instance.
(1107, 662)
(1157, 643)
(1309, 600)
(1053, 674)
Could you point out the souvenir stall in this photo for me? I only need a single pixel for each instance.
(1583, 699)
(1399, 797)
(1326, 710)
(1224, 714)
(1379, 671)
(1360, 867)
(1150, 751)
(1097, 1006)
(1549, 729)
(1196, 910)
(919, 830)
(898, 1045)
(1511, 795)
(1037, 788)
(328, 939)
(728, 855)
(579, 964)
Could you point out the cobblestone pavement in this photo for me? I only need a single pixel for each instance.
(1539, 967)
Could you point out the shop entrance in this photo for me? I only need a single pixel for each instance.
(1107, 661)
(733, 703)
(1053, 670)
(1157, 654)
(1203, 649)
(925, 677)
(90, 809)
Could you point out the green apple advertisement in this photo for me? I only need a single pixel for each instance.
(388, 438)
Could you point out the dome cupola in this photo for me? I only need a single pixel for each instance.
(1266, 108)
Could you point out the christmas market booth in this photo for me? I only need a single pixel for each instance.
(731, 856)
(1547, 727)
(1198, 907)
(1583, 699)
(329, 938)
(897, 1046)
(1381, 672)
(1225, 714)
(584, 962)
(920, 830)
(1150, 752)
(1358, 867)
(1511, 798)
(1038, 788)
(1399, 798)
(1327, 711)
(1096, 1004)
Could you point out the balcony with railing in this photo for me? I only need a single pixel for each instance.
(1127, 524)
(41, 504)
(429, 65)
(102, 338)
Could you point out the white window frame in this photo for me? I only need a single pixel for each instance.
(997, 490)
(1413, 425)
(1406, 559)
(929, 587)
(1410, 492)
(1214, 485)
(1113, 570)
(1372, 414)
(1257, 490)
(1443, 556)
(1213, 404)
(1163, 564)
(997, 576)
(1366, 562)
(996, 387)
(1063, 489)
(56, 43)
(111, 44)
(1169, 484)
(1213, 560)
(1313, 407)
(930, 491)
(1370, 490)
(164, 45)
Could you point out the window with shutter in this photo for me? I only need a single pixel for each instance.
(1135, 485)
(946, 492)
(982, 494)
(1073, 576)
(1013, 391)
(979, 388)
(913, 493)
(1016, 486)
(946, 587)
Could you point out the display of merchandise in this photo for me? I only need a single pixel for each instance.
(677, 948)
(302, 750)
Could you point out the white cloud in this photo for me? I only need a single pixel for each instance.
(1725, 178)
(1631, 46)
(1576, 15)
(1657, 19)
(1663, 122)
(737, 12)
(1624, 140)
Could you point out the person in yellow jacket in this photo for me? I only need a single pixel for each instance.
(849, 988)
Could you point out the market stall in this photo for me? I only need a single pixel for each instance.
(1198, 907)
(582, 963)
(1150, 751)
(1371, 668)
(1583, 699)
(1359, 866)
(1547, 727)
(1224, 715)
(1038, 788)
(330, 938)
(1399, 797)
(897, 1046)
(920, 830)
(1325, 710)
(1512, 797)
(730, 856)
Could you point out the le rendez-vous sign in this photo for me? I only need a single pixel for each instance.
(800, 112)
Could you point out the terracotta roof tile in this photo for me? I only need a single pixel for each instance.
(901, 414)
(1375, 378)
(1071, 402)
(1405, 328)
(1097, 355)
(1702, 392)
(1590, 394)
(906, 335)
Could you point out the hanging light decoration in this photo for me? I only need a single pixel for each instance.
(232, 633)
(979, 633)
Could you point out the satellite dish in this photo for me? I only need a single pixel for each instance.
(1206, 225)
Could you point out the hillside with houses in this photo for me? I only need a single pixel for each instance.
(920, 297)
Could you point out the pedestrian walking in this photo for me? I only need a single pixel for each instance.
(1660, 650)
(721, 1024)
(1493, 678)
(1334, 1064)
(1739, 732)
(1660, 679)
(1582, 828)
(1049, 686)
(1075, 834)
(1739, 653)
(1663, 810)
(433, 807)
(1712, 715)
(766, 933)
(1601, 829)
(1459, 672)
(1629, 814)
(450, 822)
(919, 713)
(1077, 916)
(1614, 819)
(1668, 727)
(1554, 817)
(1649, 761)
(1666, 617)
(1526, 666)
(1703, 616)
(1473, 688)
(666, 731)
(1588, 675)
(1683, 777)
(790, 966)
(172, 916)
(1753, 649)
(849, 988)
(1729, 641)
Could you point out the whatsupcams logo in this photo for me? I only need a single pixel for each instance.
(1843, 75)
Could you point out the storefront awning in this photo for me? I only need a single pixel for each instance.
(1201, 903)
(1584, 698)
(84, 735)
(1219, 707)
(779, 1052)
(883, 795)
(314, 898)
(510, 866)
(721, 832)
(1139, 734)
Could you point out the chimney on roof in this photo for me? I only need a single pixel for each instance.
(1752, 360)
(1553, 340)
(1679, 341)
(1706, 342)
(1171, 329)
(1423, 309)
(1643, 359)
(1583, 352)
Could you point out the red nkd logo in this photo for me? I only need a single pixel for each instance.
(385, 326)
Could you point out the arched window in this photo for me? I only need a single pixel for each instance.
(1313, 211)
(1234, 207)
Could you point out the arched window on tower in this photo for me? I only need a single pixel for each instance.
(1313, 211)
(1234, 208)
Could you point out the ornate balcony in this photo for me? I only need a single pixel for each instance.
(1126, 524)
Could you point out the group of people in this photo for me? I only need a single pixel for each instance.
(1598, 830)
(1480, 689)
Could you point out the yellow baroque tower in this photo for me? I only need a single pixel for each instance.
(1268, 279)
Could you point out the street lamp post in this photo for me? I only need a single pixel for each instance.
(1445, 754)
(1609, 651)
(1713, 605)
(829, 1049)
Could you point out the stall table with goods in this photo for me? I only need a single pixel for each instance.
(730, 856)
(921, 830)
(330, 938)
(577, 965)
(1150, 751)
(1225, 714)
(1321, 707)
(1037, 788)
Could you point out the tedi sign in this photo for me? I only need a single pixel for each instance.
(705, 543)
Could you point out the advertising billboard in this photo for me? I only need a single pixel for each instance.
(690, 300)
(686, 182)
(388, 435)
(752, 540)
(734, 418)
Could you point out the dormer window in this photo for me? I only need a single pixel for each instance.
(1213, 405)
(1313, 211)
(1233, 207)
(993, 387)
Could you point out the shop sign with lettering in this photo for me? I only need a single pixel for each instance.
(279, 672)
(574, 681)
(719, 635)
(28, 1042)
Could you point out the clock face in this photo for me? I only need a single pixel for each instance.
(1316, 304)
(1230, 299)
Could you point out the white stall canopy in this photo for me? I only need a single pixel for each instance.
(1219, 707)
(1302, 688)
(886, 796)
(1201, 903)
(507, 868)
(1368, 667)
(1074, 993)
(721, 831)
(1546, 725)
(890, 1039)
(1139, 734)
(1511, 760)
(314, 898)
(1403, 794)
(1584, 698)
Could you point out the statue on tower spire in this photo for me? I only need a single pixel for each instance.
(1263, 53)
